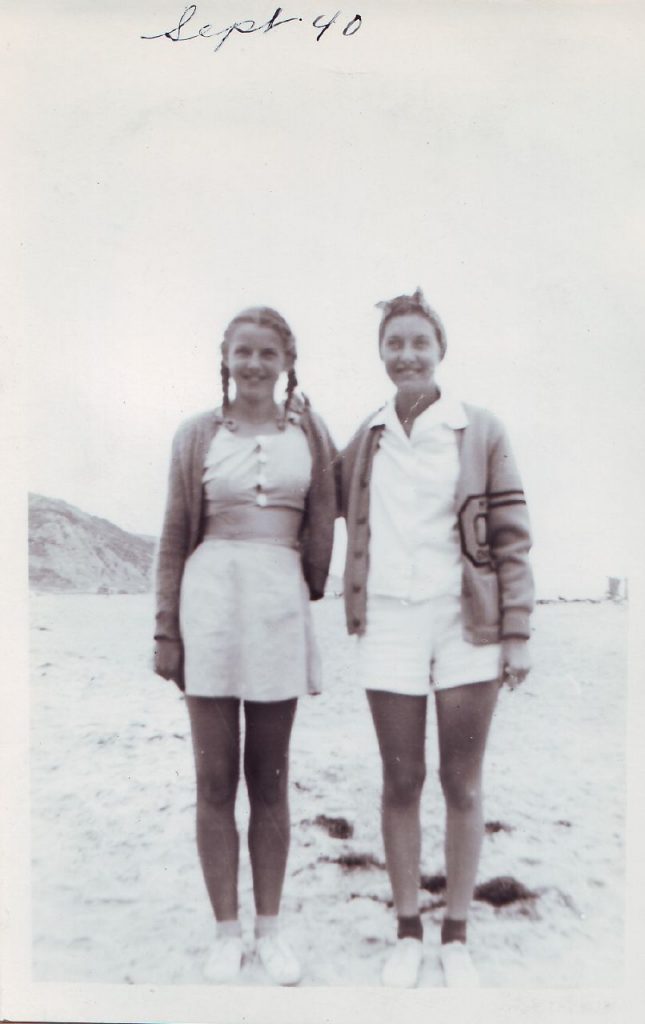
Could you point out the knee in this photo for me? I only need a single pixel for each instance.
(402, 784)
(268, 788)
(461, 792)
(216, 791)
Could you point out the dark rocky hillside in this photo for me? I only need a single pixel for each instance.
(70, 550)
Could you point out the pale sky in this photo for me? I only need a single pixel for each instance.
(490, 152)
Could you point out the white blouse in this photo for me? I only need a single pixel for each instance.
(262, 470)
(415, 551)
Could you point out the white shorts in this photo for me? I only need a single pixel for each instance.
(411, 647)
(246, 623)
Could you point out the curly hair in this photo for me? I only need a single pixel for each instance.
(415, 303)
(262, 316)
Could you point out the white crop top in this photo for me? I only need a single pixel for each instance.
(261, 470)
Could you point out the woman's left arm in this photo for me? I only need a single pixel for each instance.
(317, 530)
(327, 452)
(509, 537)
(516, 661)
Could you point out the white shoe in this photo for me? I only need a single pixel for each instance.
(225, 960)
(278, 959)
(401, 969)
(458, 969)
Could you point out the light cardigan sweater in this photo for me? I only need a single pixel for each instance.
(183, 524)
(497, 583)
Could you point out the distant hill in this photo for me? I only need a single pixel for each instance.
(70, 550)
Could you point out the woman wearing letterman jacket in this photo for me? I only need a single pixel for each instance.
(439, 591)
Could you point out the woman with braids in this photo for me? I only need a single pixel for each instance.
(245, 544)
(439, 590)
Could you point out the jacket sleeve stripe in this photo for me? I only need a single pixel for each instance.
(509, 501)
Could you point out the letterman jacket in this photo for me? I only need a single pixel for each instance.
(497, 583)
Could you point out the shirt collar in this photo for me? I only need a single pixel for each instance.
(447, 409)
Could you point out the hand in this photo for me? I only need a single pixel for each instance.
(297, 404)
(516, 661)
(169, 661)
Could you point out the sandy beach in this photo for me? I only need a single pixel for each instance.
(116, 887)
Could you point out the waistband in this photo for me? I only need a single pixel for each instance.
(244, 533)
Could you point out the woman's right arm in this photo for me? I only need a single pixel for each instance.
(171, 558)
(345, 467)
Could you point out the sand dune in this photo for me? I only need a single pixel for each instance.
(117, 892)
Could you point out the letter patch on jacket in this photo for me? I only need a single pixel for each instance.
(473, 523)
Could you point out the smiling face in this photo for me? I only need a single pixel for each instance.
(411, 352)
(255, 358)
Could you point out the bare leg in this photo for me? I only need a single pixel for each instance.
(400, 723)
(214, 724)
(464, 715)
(266, 769)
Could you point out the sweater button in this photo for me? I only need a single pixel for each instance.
(361, 521)
(356, 623)
(356, 588)
(358, 554)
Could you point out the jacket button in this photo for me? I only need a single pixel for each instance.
(358, 554)
(361, 521)
(356, 623)
(363, 483)
(356, 588)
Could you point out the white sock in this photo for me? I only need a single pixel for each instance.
(265, 924)
(226, 929)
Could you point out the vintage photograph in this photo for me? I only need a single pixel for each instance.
(332, 411)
